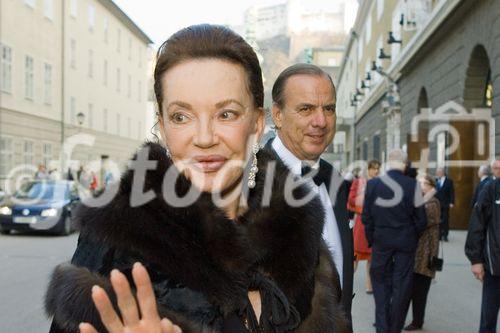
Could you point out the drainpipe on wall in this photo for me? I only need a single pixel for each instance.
(353, 126)
(61, 154)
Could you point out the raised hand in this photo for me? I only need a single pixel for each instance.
(142, 319)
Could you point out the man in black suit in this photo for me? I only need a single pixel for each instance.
(484, 176)
(394, 217)
(446, 196)
(304, 115)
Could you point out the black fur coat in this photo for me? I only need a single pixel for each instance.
(201, 263)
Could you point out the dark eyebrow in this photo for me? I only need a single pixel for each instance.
(226, 102)
(308, 105)
(331, 105)
(179, 103)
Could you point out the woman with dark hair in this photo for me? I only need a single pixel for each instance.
(234, 257)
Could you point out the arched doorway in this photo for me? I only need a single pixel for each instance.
(478, 92)
(420, 143)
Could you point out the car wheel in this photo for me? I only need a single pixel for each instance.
(66, 226)
(4, 231)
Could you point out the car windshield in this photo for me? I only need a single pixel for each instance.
(43, 190)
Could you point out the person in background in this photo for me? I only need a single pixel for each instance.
(393, 220)
(79, 172)
(446, 196)
(349, 179)
(495, 168)
(482, 248)
(41, 174)
(304, 113)
(93, 183)
(484, 175)
(355, 204)
(428, 247)
(109, 178)
(69, 175)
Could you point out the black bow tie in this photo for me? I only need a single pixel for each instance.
(319, 176)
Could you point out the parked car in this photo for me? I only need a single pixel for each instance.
(40, 205)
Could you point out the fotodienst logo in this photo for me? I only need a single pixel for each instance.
(449, 119)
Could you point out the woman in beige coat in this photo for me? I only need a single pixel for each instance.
(428, 247)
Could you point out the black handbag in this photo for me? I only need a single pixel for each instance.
(435, 263)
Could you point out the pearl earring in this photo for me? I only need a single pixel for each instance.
(253, 169)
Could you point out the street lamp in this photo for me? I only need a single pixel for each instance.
(383, 55)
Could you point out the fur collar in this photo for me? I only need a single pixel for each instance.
(208, 253)
(279, 240)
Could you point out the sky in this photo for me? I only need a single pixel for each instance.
(161, 18)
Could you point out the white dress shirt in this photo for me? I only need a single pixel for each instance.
(441, 181)
(331, 233)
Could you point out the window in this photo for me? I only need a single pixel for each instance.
(30, 3)
(118, 124)
(46, 154)
(106, 30)
(47, 96)
(28, 152)
(105, 120)
(139, 56)
(332, 62)
(91, 17)
(48, 9)
(74, 8)
(130, 48)
(6, 155)
(129, 86)
(72, 108)
(91, 63)
(105, 73)
(72, 56)
(91, 115)
(365, 150)
(139, 91)
(118, 40)
(488, 93)
(28, 78)
(380, 9)
(139, 130)
(376, 147)
(118, 79)
(6, 68)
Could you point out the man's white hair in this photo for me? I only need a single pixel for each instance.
(492, 163)
(397, 159)
(484, 170)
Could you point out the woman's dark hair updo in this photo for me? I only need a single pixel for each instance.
(210, 42)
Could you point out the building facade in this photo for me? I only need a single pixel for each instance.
(432, 89)
(70, 67)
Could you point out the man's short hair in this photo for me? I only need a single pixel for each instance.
(278, 92)
(373, 164)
